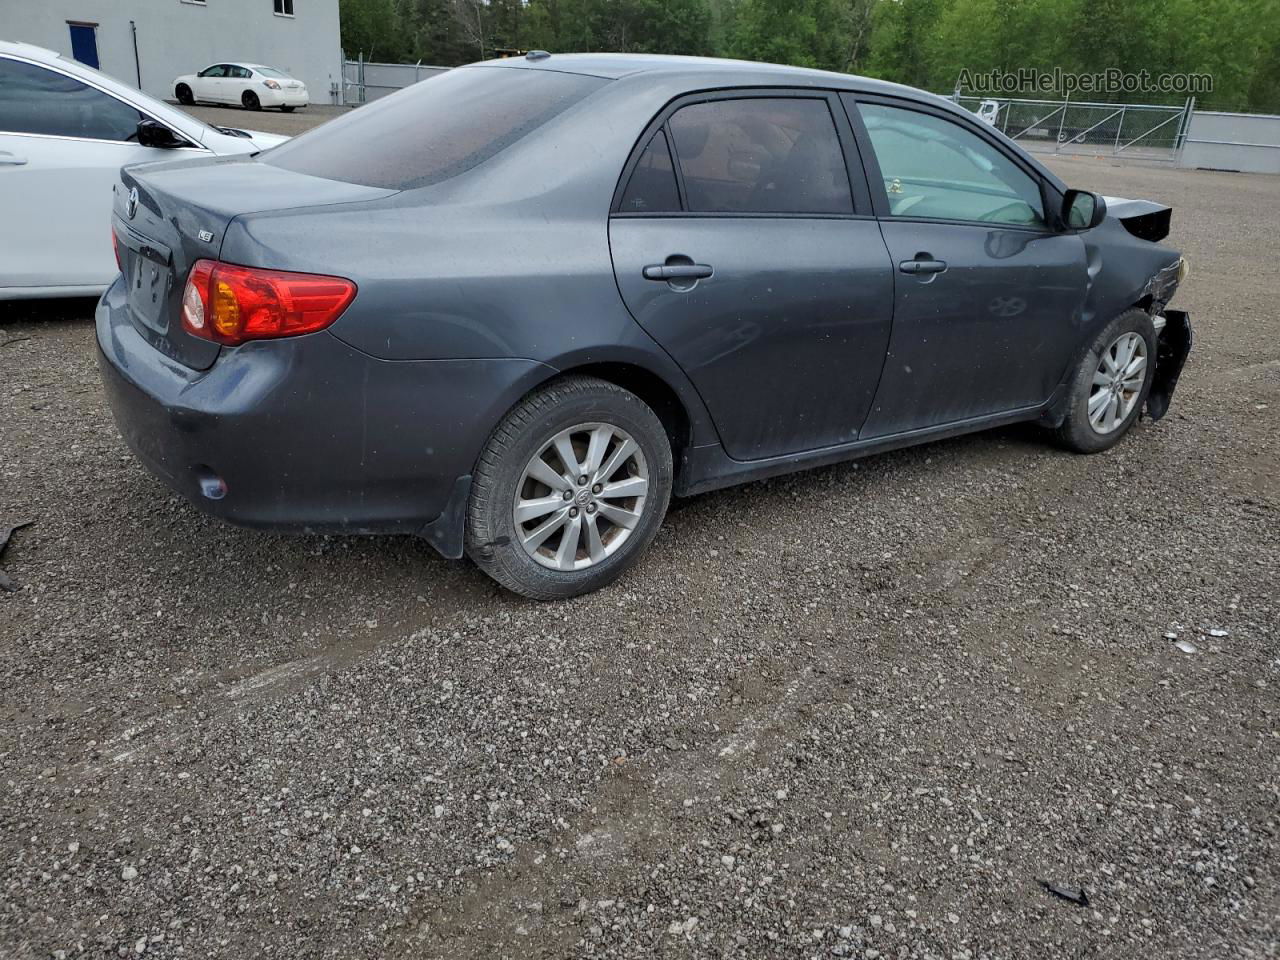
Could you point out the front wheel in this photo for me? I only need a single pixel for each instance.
(1110, 385)
(570, 489)
(183, 93)
(251, 101)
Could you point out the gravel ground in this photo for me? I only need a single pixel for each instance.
(856, 712)
(269, 121)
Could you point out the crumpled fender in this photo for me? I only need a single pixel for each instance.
(1172, 347)
(1145, 219)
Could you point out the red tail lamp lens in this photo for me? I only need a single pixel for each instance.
(115, 247)
(231, 304)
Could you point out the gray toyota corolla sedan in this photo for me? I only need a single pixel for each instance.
(515, 308)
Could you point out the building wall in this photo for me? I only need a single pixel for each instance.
(1247, 142)
(183, 36)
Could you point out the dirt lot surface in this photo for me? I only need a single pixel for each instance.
(856, 712)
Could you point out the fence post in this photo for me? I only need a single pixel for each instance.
(363, 97)
(1062, 122)
(1119, 130)
(1184, 127)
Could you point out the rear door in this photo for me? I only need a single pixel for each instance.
(62, 143)
(989, 297)
(742, 245)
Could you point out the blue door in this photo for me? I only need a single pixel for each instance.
(84, 43)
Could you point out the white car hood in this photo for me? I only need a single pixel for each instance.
(266, 141)
(241, 141)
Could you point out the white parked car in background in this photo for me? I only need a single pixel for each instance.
(250, 85)
(65, 132)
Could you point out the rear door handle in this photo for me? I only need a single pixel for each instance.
(922, 266)
(677, 271)
(8, 159)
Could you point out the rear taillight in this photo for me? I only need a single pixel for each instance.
(231, 304)
(115, 248)
(271, 83)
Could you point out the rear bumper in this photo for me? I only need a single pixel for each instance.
(307, 433)
(287, 98)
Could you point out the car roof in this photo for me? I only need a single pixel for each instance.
(695, 72)
(615, 66)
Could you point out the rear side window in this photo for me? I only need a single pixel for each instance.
(765, 155)
(40, 101)
(435, 129)
(652, 187)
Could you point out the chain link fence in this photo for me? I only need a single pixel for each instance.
(363, 81)
(1141, 130)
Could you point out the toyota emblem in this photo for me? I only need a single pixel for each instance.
(131, 205)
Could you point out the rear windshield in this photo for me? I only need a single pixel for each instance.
(273, 72)
(434, 130)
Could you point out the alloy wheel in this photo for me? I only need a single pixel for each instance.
(1117, 382)
(581, 496)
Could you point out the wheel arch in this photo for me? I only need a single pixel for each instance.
(661, 385)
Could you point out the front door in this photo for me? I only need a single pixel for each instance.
(741, 246)
(988, 298)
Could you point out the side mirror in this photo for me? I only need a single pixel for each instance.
(1082, 210)
(152, 133)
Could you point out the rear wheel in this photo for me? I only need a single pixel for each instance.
(183, 93)
(570, 489)
(1110, 384)
(251, 101)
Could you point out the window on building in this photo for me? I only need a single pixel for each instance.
(284, 7)
(43, 102)
(767, 155)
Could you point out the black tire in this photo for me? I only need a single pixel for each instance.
(250, 100)
(492, 538)
(286, 108)
(183, 93)
(1077, 432)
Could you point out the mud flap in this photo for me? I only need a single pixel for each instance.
(447, 532)
(1172, 347)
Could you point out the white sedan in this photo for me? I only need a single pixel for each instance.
(65, 132)
(251, 85)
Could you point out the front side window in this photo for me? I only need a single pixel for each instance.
(40, 101)
(435, 129)
(936, 169)
(761, 155)
(217, 70)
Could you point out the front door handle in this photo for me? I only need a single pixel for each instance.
(11, 159)
(922, 264)
(677, 271)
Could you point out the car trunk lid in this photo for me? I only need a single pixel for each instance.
(168, 215)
